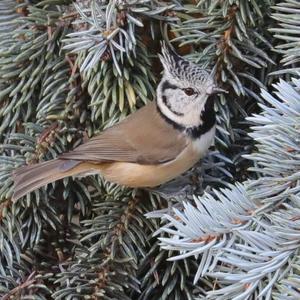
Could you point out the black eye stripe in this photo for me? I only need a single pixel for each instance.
(167, 85)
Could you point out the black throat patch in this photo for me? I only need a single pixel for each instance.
(208, 117)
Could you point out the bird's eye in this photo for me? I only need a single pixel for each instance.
(189, 91)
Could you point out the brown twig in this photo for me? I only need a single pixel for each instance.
(3, 206)
(73, 66)
(224, 44)
(118, 230)
(70, 15)
(20, 287)
(205, 239)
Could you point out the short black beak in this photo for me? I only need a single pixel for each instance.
(217, 90)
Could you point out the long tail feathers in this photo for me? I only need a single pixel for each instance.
(32, 177)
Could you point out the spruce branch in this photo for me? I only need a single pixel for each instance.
(22, 65)
(245, 237)
(17, 290)
(232, 37)
(223, 35)
(86, 238)
(24, 289)
(110, 29)
(276, 131)
(286, 13)
(168, 279)
(112, 59)
(289, 286)
(112, 242)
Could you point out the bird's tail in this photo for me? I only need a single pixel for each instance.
(29, 178)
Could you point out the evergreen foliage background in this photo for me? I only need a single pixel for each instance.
(228, 229)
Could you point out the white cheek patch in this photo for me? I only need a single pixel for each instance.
(180, 108)
(177, 100)
(177, 106)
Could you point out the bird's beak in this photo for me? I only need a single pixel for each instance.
(217, 90)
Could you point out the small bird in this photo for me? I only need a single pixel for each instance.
(151, 146)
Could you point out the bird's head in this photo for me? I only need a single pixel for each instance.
(183, 90)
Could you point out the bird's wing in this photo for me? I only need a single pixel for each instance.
(143, 137)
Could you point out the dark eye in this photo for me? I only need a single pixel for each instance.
(189, 91)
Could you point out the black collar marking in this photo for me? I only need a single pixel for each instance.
(208, 117)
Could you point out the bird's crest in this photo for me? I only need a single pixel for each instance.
(181, 69)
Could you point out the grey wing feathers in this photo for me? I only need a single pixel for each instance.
(143, 137)
(103, 149)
